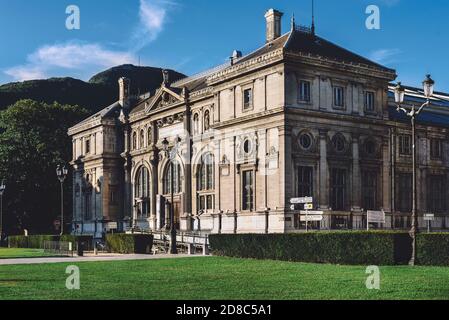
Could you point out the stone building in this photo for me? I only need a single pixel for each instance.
(300, 116)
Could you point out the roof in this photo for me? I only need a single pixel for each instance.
(109, 111)
(436, 114)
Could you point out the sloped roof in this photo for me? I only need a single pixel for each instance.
(109, 111)
(436, 114)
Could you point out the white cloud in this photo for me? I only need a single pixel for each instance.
(384, 56)
(86, 58)
(23, 73)
(152, 18)
(71, 56)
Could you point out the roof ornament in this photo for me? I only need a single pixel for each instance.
(313, 17)
(166, 78)
(293, 22)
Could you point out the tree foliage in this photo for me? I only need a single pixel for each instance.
(33, 141)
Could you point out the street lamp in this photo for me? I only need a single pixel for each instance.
(399, 94)
(62, 172)
(2, 191)
(171, 156)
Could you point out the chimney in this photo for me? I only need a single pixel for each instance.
(274, 20)
(124, 94)
(235, 56)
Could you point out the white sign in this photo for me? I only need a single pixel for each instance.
(301, 200)
(308, 206)
(112, 225)
(312, 213)
(429, 217)
(376, 216)
(311, 218)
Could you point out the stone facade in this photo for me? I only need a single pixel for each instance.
(297, 117)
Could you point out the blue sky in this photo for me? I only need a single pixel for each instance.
(193, 35)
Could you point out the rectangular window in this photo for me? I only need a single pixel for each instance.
(248, 190)
(338, 189)
(247, 99)
(88, 205)
(405, 145)
(404, 193)
(436, 148)
(339, 97)
(436, 199)
(369, 101)
(305, 182)
(88, 146)
(304, 91)
(369, 190)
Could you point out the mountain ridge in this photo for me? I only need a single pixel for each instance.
(97, 93)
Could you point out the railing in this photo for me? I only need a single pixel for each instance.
(58, 248)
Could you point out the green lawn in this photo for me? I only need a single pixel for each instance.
(220, 278)
(14, 253)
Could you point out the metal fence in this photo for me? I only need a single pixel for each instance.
(59, 248)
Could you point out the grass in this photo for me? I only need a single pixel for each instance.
(14, 253)
(220, 278)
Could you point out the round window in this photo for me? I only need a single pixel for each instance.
(305, 141)
(339, 143)
(247, 146)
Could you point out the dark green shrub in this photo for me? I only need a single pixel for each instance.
(353, 248)
(31, 242)
(129, 243)
(433, 249)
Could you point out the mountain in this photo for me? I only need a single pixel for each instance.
(100, 91)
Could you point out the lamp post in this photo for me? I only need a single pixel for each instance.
(399, 94)
(171, 156)
(62, 172)
(2, 191)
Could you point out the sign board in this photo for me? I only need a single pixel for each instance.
(376, 216)
(429, 217)
(301, 200)
(312, 213)
(112, 225)
(308, 206)
(311, 218)
(292, 207)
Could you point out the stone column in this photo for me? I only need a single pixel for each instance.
(127, 202)
(386, 175)
(356, 175)
(323, 172)
(187, 157)
(154, 161)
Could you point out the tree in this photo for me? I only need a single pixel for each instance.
(33, 141)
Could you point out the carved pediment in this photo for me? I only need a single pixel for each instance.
(164, 97)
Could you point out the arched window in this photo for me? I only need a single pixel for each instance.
(206, 183)
(142, 192)
(134, 146)
(142, 139)
(196, 124)
(177, 178)
(206, 120)
(150, 137)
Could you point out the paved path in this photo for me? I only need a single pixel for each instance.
(109, 257)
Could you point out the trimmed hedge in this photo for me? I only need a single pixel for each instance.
(351, 248)
(433, 249)
(37, 241)
(129, 243)
(31, 242)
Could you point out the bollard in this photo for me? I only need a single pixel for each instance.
(191, 249)
(205, 250)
